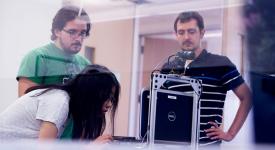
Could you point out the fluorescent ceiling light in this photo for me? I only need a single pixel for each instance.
(97, 2)
(106, 2)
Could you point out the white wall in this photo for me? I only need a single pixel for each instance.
(232, 48)
(24, 25)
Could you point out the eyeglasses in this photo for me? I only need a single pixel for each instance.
(75, 34)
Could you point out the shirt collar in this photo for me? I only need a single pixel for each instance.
(199, 59)
(61, 53)
(202, 55)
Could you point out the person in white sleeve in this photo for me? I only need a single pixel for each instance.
(44, 110)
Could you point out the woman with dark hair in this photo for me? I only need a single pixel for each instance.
(43, 111)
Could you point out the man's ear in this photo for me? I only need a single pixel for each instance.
(57, 32)
(202, 33)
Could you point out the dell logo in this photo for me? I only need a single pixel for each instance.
(171, 116)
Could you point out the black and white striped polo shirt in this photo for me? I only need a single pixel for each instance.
(218, 75)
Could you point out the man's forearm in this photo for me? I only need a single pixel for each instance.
(243, 110)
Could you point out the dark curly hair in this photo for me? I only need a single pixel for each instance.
(187, 16)
(66, 14)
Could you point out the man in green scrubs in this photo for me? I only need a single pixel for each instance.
(58, 61)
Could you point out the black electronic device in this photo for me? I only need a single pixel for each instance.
(144, 112)
(173, 117)
(263, 95)
(174, 110)
(126, 139)
(186, 55)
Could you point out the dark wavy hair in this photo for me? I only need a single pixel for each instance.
(88, 91)
(187, 16)
(66, 14)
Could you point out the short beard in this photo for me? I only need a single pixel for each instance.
(67, 50)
